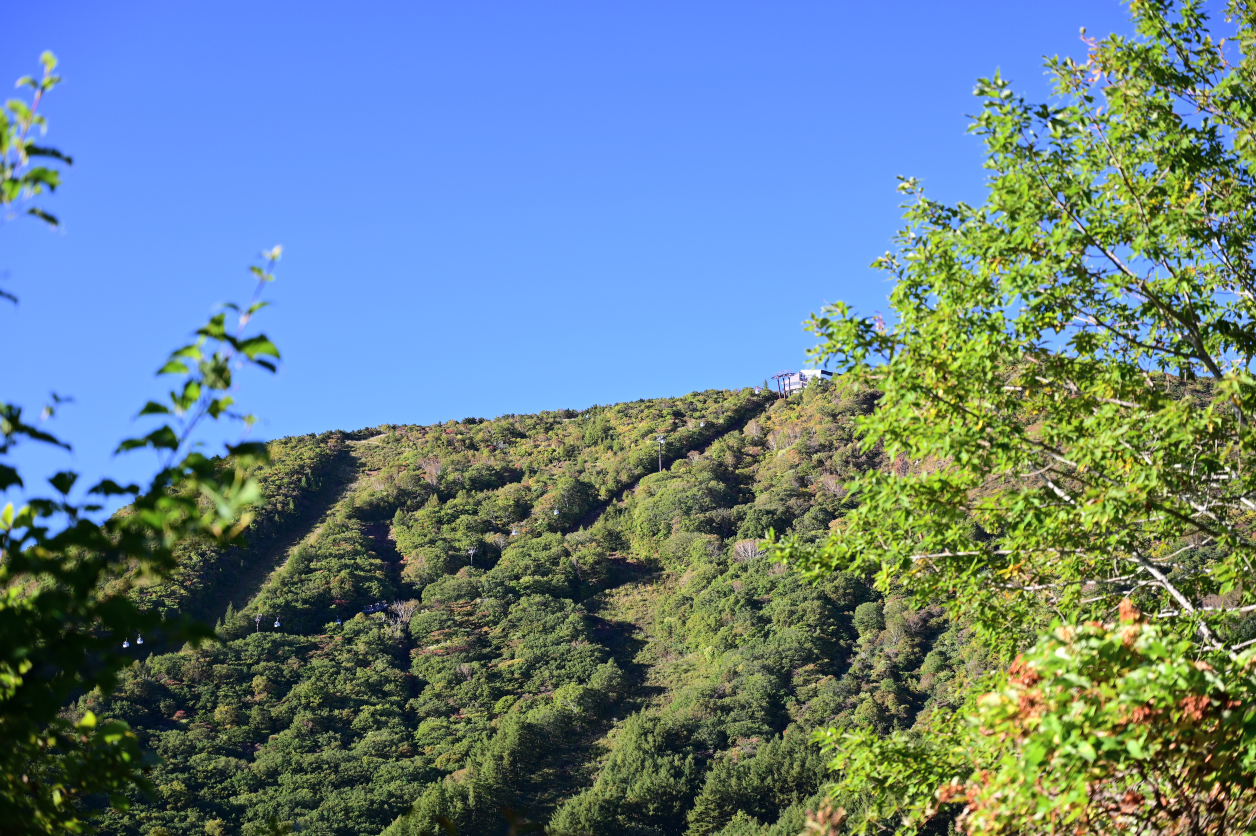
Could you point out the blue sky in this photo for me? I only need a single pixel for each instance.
(486, 208)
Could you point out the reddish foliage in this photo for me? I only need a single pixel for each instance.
(1193, 707)
(1128, 611)
(1023, 674)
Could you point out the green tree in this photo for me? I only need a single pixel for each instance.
(869, 619)
(1067, 406)
(65, 609)
(643, 787)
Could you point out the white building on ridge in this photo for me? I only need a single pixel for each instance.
(787, 383)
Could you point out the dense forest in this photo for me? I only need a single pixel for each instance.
(571, 637)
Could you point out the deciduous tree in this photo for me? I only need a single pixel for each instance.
(1067, 384)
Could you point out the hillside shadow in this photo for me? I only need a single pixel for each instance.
(598, 510)
(563, 772)
(384, 545)
(253, 577)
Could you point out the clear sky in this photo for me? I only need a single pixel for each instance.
(485, 207)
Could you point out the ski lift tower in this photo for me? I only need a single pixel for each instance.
(783, 383)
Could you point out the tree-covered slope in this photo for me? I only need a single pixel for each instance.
(572, 639)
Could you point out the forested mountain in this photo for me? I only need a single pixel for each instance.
(1037, 617)
(572, 638)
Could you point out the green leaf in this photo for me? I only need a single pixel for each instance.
(63, 481)
(108, 487)
(39, 177)
(219, 406)
(19, 109)
(42, 151)
(215, 328)
(251, 450)
(163, 438)
(189, 396)
(46, 217)
(258, 346)
(9, 477)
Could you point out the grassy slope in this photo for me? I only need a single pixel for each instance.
(627, 664)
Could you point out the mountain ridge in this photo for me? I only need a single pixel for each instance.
(573, 639)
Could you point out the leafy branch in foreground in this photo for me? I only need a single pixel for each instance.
(1067, 399)
(19, 120)
(64, 577)
(19, 180)
(1101, 727)
(60, 628)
